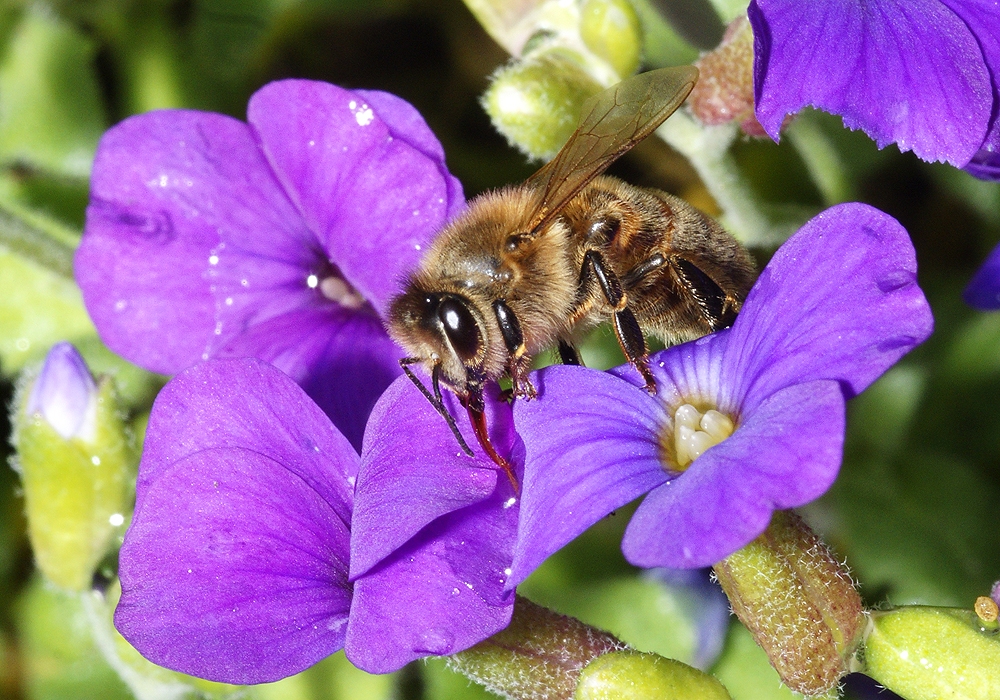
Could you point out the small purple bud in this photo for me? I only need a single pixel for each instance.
(65, 394)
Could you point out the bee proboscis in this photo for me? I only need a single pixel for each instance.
(538, 264)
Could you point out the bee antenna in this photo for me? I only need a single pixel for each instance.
(435, 399)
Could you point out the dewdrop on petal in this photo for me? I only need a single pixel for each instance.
(75, 465)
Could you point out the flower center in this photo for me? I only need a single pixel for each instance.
(335, 288)
(695, 432)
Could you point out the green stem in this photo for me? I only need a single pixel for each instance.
(32, 242)
(143, 687)
(728, 10)
(821, 159)
(707, 149)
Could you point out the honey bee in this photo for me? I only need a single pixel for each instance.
(539, 264)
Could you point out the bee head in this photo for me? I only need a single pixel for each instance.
(439, 328)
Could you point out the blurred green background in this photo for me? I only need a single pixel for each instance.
(916, 510)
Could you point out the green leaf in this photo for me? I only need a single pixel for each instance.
(51, 116)
(937, 530)
(333, 678)
(58, 657)
(37, 309)
(745, 670)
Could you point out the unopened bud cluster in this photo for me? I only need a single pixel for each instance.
(564, 53)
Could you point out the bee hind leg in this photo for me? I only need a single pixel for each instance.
(627, 330)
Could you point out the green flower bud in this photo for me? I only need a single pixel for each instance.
(75, 464)
(539, 655)
(611, 29)
(536, 103)
(925, 653)
(639, 676)
(797, 601)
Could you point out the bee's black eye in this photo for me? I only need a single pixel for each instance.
(460, 327)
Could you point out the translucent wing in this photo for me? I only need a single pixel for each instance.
(613, 121)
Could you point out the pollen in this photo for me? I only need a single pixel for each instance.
(695, 432)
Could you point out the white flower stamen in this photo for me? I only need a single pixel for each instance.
(337, 289)
(695, 432)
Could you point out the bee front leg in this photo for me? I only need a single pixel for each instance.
(627, 330)
(519, 362)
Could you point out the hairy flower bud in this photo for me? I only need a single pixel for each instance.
(610, 28)
(797, 601)
(65, 395)
(75, 466)
(540, 655)
(639, 676)
(724, 92)
(925, 653)
(536, 103)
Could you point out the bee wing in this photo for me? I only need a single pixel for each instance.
(613, 122)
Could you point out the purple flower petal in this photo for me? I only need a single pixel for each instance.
(441, 593)
(247, 403)
(343, 359)
(983, 291)
(590, 447)
(235, 570)
(413, 471)
(904, 71)
(983, 17)
(432, 535)
(177, 197)
(784, 453)
(839, 300)
(374, 200)
(985, 166)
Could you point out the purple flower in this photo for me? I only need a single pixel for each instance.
(921, 73)
(746, 421)
(282, 238)
(65, 394)
(235, 567)
(983, 291)
(433, 532)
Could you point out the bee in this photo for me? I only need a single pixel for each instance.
(537, 265)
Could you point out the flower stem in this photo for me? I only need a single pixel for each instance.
(821, 159)
(707, 149)
(31, 241)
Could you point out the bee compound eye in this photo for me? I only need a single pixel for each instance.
(460, 327)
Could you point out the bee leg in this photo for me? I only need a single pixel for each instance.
(519, 361)
(568, 354)
(476, 407)
(627, 330)
(435, 399)
(718, 310)
(642, 269)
